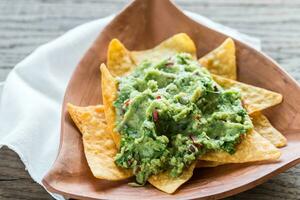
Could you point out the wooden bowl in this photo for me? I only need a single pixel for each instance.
(142, 25)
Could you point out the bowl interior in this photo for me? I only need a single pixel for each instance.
(138, 28)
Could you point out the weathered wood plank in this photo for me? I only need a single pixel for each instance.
(25, 25)
(15, 183)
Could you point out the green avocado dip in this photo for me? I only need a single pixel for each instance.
(171, 112)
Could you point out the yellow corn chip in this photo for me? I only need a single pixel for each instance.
(119, 61)
(264, 128)
(99, 148)
(253, 147)
(203, 163)
(221, 61)
(166, 183)
(109, 95)
(177, 44)
(227, 68)
(254, 98)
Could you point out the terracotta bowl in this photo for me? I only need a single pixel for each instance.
(142, 25)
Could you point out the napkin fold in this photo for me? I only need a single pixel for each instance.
(32, 95)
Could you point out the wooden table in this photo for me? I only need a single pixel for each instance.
(25, 25)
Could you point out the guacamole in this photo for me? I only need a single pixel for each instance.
(171, 112)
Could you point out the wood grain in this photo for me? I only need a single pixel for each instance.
(26, 25)
(138, 22)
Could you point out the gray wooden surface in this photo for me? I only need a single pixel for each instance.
(24, 25)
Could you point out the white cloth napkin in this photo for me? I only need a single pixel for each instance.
(31, 100)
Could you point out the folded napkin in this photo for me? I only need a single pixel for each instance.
(32, 95)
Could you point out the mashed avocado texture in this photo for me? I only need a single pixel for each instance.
(171, 112)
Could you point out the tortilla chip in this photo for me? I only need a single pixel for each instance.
(253, 148)
(162, 181)
(176, 44)
(204, 163)
(221, 61)
(254, 98)
(119, 61)
(99, 148)
(168, 184)
(263, 126)
(228, 70)
(109, 95)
